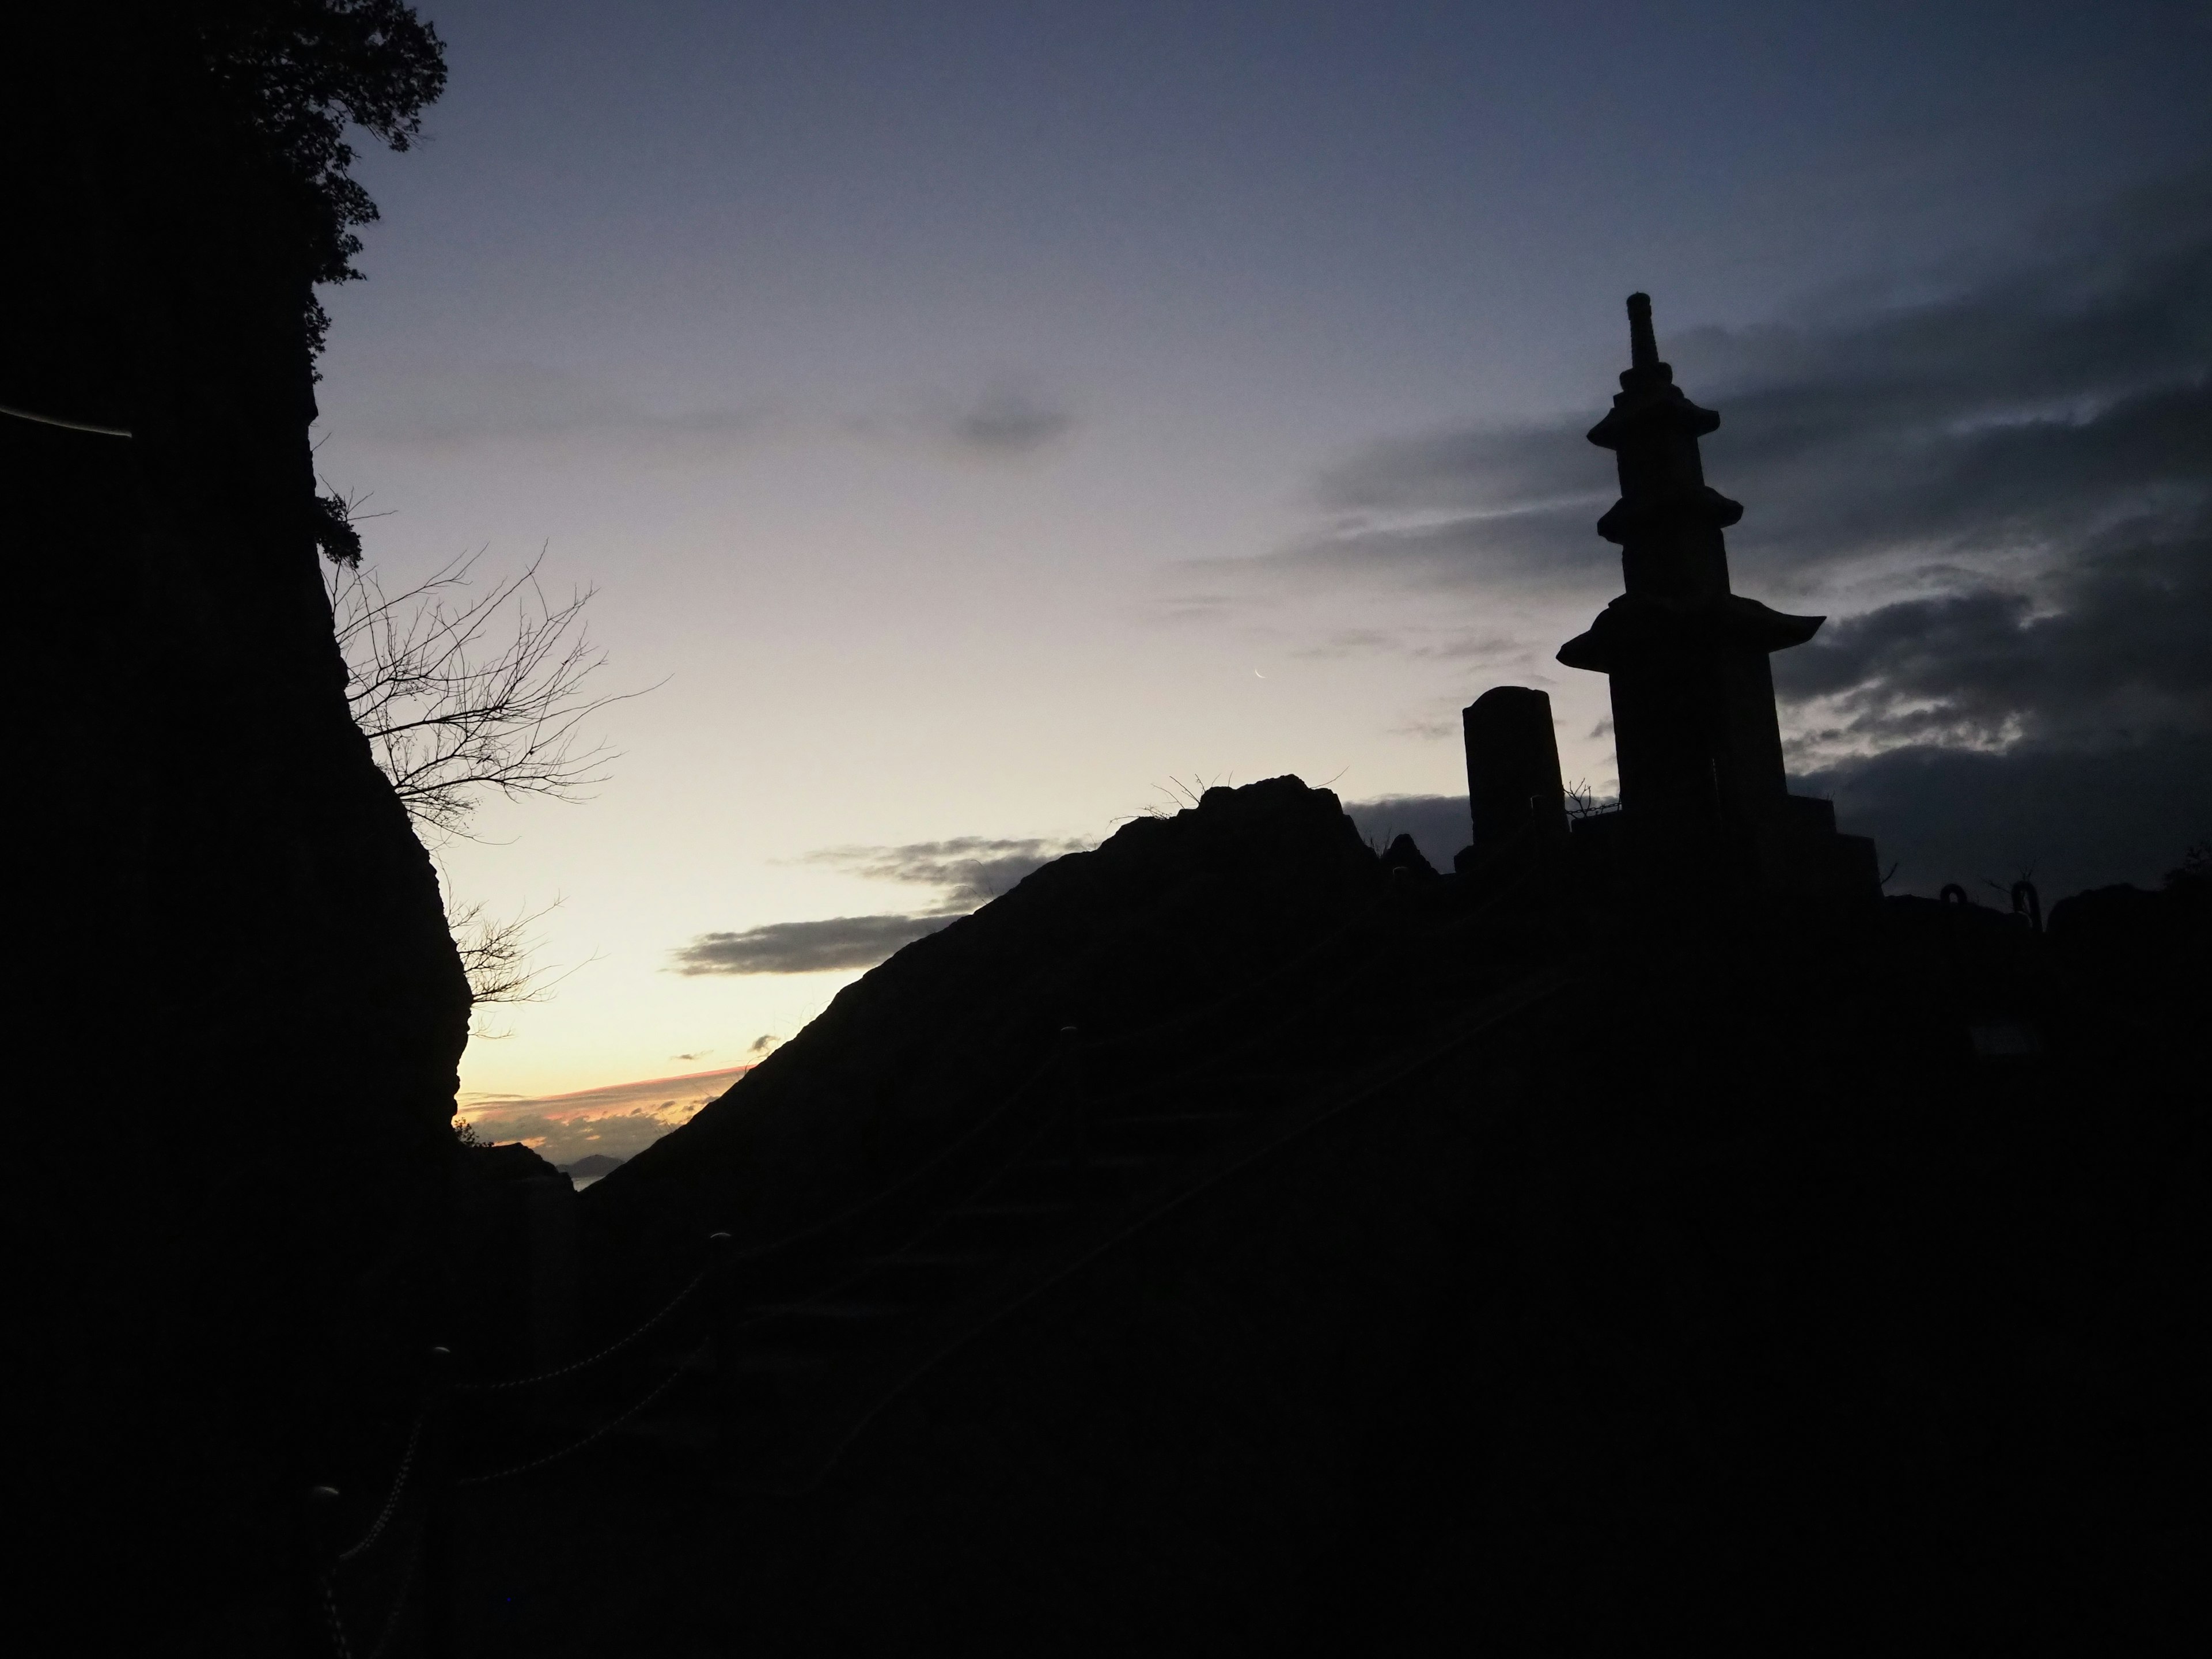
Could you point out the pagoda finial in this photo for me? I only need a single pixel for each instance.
(1643, 345)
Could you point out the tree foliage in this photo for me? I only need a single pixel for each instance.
(291, 78)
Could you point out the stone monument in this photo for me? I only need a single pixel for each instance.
(1702, 788)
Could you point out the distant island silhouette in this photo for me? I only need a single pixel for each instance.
(598, 1163)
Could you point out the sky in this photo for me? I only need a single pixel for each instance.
(984, 424)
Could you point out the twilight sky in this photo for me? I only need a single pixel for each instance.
(985, 420)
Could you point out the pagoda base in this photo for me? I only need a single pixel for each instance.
(1794, 855)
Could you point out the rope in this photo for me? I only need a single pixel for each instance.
(607, 1352)
(72, 426)
(599, 1433)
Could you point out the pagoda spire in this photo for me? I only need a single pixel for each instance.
(1643, 344)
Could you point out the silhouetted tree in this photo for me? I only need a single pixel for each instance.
(460, 694)
(184, 169)
(464, 693)
(290, 76)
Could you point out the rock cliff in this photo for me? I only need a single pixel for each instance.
(223, 904)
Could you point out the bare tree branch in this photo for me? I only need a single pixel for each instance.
(461, 692)
(499, 955)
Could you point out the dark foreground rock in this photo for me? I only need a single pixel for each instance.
(1469, 1267)
(237, 1011)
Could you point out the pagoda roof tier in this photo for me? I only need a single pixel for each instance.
(1638, 627)
(1652, 406)
(1701, 507)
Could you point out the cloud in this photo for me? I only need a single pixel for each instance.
(1001, 423)
(2015, 415)
(2070, 817)
(449, 408)
(1005, 424)
(807, 947)
(2106, 652)
(764, 1042)
(1431, 644)
(971, 870)
(967, 871)
(619, 1121)
(1438, 823)
(446, 407)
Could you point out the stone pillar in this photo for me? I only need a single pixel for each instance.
(1512, 766)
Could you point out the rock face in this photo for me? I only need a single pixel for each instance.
(223, 904)
(1163, 919)
(1436, 1265)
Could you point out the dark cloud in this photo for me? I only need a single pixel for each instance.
(807, 947)
(1421, 643)
(2108, 651)
(968, 870)
(1202, 608)
(450, 407)
(1009, 423)
(444, 407)
(972, 870)
(1438, 823)
(1547, 543)
(2071, 817)
(2020, 411)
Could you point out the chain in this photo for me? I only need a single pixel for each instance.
(399, 1597)
(599, 1433)
(607, 1352)
(391, 1502)
(331, 1611)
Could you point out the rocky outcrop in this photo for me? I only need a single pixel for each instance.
(1451, 1265)
(240, 1011)
(1159, 922)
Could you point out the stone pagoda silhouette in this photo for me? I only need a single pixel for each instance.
(1703, 793)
